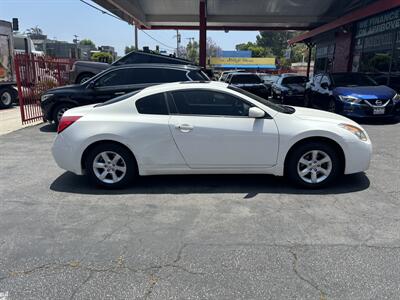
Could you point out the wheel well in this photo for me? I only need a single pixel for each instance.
(320, 139)
(53, 109)
(78, 78)
(95, 144)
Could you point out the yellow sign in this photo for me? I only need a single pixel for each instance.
(242, 61)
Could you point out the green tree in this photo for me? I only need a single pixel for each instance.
(129, 49)
(275, 40)
(34, 31)
(256, 50)
(102, 57)
(192, 51)
(87, 42)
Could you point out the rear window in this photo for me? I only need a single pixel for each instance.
(245, 79)
(152, 105)
(294, 80)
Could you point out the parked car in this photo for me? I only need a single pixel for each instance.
(84, 70)
(250, 82)
(269, 79)
(290, 88)
(207, 128)
(112, 82)
(225, 74)
(353, 95)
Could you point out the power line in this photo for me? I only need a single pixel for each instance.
(118, 18)
(165, 45)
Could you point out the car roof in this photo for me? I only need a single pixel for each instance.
(183, 85)
(243, 73)
(155, 65)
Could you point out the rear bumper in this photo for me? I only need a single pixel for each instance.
(65, 155)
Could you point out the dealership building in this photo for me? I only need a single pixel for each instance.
(365, 40)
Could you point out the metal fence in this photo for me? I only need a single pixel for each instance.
(36, 74)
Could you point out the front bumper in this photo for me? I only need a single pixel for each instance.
(358, 156)
(362, 110)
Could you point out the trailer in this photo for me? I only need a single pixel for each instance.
(8, 91)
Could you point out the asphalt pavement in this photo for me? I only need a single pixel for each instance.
(196, 237)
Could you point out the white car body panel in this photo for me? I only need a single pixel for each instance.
(215, 145)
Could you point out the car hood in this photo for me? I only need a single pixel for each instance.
(366, 92)
(321, 116)
(72, 88)
(92, 64)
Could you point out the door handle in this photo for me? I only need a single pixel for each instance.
(184, 127)
(119, 93)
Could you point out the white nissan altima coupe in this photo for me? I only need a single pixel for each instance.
(207, 128)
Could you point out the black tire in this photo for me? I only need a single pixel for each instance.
(292, 161)
(332, 106)
(307, 101)
(274, 95)
(128, 160)
(83, 77)
(7, 97)
(59, 110)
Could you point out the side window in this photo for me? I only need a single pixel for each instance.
(117, 77)
(202, 102)
(152, 105)
(172, 75)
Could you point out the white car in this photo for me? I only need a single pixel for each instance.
(207, 128)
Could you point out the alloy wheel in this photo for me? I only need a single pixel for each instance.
(314, 166)
(60, 113)
(109, 167)
(332, 106)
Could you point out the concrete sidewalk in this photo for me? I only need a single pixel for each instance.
(10, 120)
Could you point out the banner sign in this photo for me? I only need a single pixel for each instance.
(381, 23)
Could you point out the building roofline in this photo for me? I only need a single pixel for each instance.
(356, 15)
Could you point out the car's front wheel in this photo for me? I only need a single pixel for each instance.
(313, 165)
(110, 165)
(59, 111)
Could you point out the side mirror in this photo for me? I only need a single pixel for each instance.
(255, 112)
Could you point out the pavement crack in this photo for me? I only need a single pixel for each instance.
(74, 292)
(322, 294)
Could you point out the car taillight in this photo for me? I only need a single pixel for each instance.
(65, 122)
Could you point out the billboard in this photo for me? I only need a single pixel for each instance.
(242, 61)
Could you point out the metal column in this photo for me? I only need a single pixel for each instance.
(203, 33)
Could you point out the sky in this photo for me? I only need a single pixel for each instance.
(62, 19)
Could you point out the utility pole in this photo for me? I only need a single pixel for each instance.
(136, 38)
(178, 42)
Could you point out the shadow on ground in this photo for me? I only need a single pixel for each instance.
(251, 185)
(48, 127)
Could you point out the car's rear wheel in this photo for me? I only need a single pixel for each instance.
(59, 111)
(110, 165)
(84, 77)
(313, 165)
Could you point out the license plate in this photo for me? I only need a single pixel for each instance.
(379, 111)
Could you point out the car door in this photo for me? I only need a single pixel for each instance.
(212, 129)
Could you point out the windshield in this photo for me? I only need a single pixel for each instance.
(245, 78)
(294, 80)
(276, 107)
(353, 79)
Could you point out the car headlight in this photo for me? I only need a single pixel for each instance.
(45, 97)
(355, 130)
(396, 99)
(349, 99)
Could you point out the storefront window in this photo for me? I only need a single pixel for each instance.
(374, 52)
